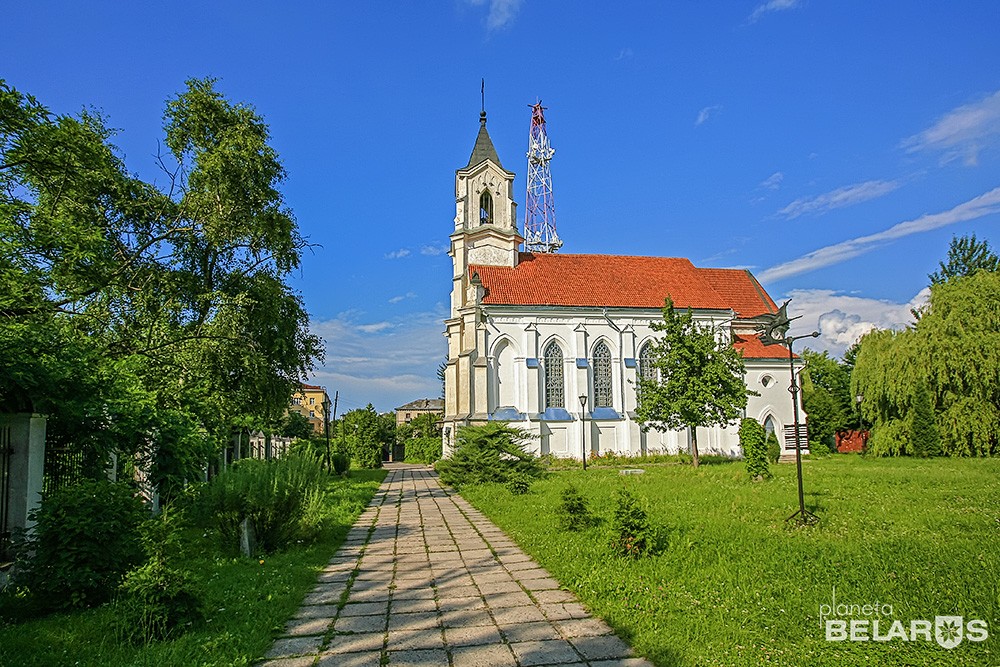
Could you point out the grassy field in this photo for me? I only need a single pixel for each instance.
(736, 585)
(246, 602)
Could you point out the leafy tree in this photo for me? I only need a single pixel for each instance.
(752, 442)
(421, 438)
(365, 435)
(826, 397)
(966, 255)
(296, 425)
(143, 319)
(700, 378)
(946, 351)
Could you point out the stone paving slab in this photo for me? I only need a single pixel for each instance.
(430, 581)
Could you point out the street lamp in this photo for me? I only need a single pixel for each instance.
(326, 431)
(774, 331)
(583, 428)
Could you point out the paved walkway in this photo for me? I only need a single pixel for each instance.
(430, 581)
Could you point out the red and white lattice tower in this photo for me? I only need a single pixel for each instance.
(540, 216)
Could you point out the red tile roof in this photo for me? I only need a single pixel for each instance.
(617, 281)
(752, 348)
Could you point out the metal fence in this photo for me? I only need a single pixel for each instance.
(63, 467)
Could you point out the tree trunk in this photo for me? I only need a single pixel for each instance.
(694, 445)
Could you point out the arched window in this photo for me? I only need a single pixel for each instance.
(769, 425)
(602, 376)
(485, 208)
(646, 369)
(554, 376)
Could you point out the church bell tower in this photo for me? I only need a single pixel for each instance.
(485, 233)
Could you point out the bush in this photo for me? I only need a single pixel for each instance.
(425, 449)
(752, 440)
(282, 498)
(158, 599)
(773, 448)
(86, 537)
(493, 452)
(573, 512)
(519, 484)
(341, 462)
(632, 534)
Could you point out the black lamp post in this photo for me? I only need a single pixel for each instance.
(774, 331)
(583, 428)
(805, 516)
(326, 431)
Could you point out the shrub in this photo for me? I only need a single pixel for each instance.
(493, 452)
(425, 449)
(519, 484)
(341, 462)
(86, 537)
(573, 512)
(773, 448)
(752, 440)
(158, 599)
(632, 535)
(282, 498)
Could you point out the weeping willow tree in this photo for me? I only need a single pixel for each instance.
(954, 351)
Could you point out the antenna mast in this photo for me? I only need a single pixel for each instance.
(540, 216)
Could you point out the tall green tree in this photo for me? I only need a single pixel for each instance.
(966, 255)
(826, 397)
(167, 306)
(952, 350)
(924, 438)
(699, 377)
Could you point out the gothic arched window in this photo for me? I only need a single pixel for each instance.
(554, 376)
(485, 208)
(769, 425)
(646, 369)
(602, 376)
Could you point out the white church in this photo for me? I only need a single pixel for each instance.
(555, 343)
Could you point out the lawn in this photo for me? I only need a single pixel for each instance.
(737, 585)
(246, 602)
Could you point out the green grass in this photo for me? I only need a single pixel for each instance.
(736, 585)
(246, 603)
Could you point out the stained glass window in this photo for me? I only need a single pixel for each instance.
(602, 376)
(554, 376)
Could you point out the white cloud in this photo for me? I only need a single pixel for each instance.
(403, 297)
(772, 182)
(502, 12)
(985, 204)
(624, 53)
(434, 250)
(771, 6)
(839, 198)
(842, 319)
(707, 113)
(385, 363)
(374, 327)
(397, 254)
(962, 132)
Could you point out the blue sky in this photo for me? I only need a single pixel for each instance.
(833, 148)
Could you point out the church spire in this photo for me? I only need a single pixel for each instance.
(483, 150)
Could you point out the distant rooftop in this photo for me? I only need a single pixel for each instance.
(433, 404)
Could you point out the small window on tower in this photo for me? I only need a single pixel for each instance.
(485, 208)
